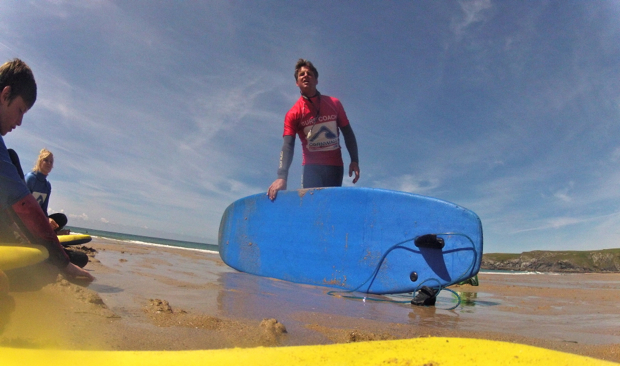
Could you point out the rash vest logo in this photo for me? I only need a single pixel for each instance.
(324, 137)
(40, 197)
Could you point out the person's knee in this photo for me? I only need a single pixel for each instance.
(61, 220)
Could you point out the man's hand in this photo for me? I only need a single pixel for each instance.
(354, 167)
(53, 224)
(74, 272)
(278, 185)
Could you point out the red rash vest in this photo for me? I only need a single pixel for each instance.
(320, 136)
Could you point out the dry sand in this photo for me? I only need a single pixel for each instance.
(158, 298)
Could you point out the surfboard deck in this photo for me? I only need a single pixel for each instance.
(16, 256)
(74, 239)
(351, 238)
(419, 351)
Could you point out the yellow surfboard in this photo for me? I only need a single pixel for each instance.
(16, 256)
(74, 239)
(419, 351)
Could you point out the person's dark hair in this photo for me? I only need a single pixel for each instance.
(19, 77)
(303, 62)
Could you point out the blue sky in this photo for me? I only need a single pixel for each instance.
(162, 113)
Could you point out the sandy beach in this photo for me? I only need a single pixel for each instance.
(161, 298)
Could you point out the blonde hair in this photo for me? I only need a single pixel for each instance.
(43, 154)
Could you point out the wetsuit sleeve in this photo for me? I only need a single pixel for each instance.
(12, 187)
(286, 156)
(28, 215)
(350, 142)
(30, 181)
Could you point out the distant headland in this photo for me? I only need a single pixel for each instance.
(607, 260)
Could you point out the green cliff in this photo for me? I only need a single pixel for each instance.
(607, 260)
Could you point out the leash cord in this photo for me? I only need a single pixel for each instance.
(377, 268)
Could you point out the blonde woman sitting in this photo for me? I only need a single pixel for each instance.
(41, 188)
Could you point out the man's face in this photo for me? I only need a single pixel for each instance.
(306, 81)
(11, 112)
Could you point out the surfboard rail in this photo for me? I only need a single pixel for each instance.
(74, 239)
(418, 351)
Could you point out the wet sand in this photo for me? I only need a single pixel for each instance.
(157, 298)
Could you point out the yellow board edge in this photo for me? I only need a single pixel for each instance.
(16, 256)
(74, 238)
(419, 351)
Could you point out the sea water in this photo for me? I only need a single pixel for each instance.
(147, 240)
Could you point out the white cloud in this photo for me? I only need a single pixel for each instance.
(409, 183)
(473, 11)
(563, 194)
(82, 216)
(555, 223)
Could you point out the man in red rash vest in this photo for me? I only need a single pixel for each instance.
(318, 120)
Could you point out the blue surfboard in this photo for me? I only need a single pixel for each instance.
(369, 240)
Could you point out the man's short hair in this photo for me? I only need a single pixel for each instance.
(19, 77)
(303, 62)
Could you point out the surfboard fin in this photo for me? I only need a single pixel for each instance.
(429, 241)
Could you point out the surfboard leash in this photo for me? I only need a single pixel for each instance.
(427, 238)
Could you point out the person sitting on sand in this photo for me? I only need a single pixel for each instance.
(41, 188)
(21, 217)
(76, 257)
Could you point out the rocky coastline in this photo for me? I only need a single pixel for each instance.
(597, 261)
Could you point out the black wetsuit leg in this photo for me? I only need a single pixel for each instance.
(322, 176)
